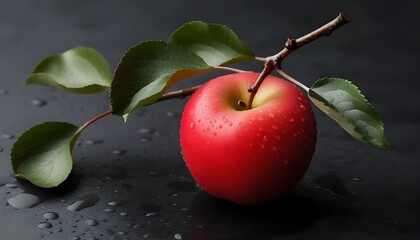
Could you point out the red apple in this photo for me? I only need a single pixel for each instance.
(247, 156)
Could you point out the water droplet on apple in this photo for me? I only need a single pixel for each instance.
(271, 115)
(207, 129)
(291, 120)
(230, 124)
(302, 119)
(302, 107)
(220, 126)
(214, 133)
(192, 125)
(262, 146)
(265, 139)
(274, 127)
(260, 118)
(274, 149)
(278, 137)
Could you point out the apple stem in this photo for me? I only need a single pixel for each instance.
(291, 45)
(170, 95)
(286, 76)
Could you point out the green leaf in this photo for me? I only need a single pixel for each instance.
(147, 70)
(78, 70)
(42, 154)
(216, 44)
(343, 102)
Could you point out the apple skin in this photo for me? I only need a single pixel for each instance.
(247, 156)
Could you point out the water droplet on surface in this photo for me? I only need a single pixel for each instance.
(170, 114)
(214, 133)
(24, 200)
(11, 185)
(192, 125)
(91, 222)
(119, 152)
(260, 118)
(51, 215)
(302, 107)
(38, 102)
(291, 120)
(178, 236)
(230, 124)
(84, 202)
(45, 225)
(123, 214)
(150, 214)
(7, 136)
(274, 127)
(109, 210)
(220, 126)
(271, 115)
(265, 139)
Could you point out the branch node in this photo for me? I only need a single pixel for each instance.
(291, 44)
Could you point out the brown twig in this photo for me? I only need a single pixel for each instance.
(170, 95)
(291, 45)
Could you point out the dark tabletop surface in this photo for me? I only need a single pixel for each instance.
(132, 176)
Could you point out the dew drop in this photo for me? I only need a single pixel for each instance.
(145, 131)
(214, 133)
(230, 124)
(265, 139)
(109, 210)
(291, 120)
(38, 102)
(260, 118)
(84, 202)
(192, 125)
(11, 185)
(51, 215)
(271, 115)
(274, 127)
(91, 222)
(123, 214)
(118, 152)
(302, 107)
(24, 200)
(220, 126)
(170, 114)
(150, 214)
(178, 236)
(45, 225)
(7, 136)
(262, 146)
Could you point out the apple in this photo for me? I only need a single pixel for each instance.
(247, 156)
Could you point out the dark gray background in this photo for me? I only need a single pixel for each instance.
(351, 191)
